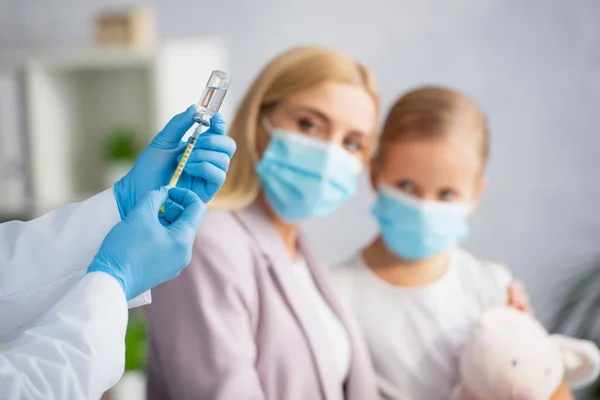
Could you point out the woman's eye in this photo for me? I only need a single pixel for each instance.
(306, 125)
(406, 186)
(352, 145)
(447, 195)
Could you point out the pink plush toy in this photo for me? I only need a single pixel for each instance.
(510, 356)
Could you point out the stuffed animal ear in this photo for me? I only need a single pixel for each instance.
(581, 358)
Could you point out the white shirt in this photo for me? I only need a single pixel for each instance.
(415, 334)
(76, 350)
(335, 331)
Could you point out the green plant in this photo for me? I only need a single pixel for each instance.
(578, 314)
(136, 341)
(121, 145)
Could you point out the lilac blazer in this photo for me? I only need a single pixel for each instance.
(235, 325)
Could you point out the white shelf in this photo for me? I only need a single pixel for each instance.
(74, 98)
(78, 60)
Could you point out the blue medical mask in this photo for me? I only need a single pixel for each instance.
(304, 177)
(415, 229)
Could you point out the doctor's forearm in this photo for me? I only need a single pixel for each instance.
(75, 351)
(47, 256)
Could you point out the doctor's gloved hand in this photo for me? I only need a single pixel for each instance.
(145, 250)
(204, 173)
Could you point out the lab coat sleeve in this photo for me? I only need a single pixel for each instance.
(76, 350)
(207, 348)
(41, 259)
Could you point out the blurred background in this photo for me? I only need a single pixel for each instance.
(76, 106)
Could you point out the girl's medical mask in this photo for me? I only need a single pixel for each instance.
(415, 229)
(304, 177)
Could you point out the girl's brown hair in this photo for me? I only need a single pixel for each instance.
(431, 112)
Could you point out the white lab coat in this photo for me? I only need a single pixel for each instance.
(76, 350)
(41, 259)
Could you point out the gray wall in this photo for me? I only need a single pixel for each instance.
(532, 65)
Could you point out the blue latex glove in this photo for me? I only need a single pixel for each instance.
(145, 250)
(204, 173)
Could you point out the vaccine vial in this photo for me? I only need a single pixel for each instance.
(212, 97)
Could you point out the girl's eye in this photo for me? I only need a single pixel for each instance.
(447, 195)
(406, 186)
(352, 145)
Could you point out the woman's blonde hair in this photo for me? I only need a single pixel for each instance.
(290, 72)
(431, 112)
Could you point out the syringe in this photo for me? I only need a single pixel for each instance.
(210, 102)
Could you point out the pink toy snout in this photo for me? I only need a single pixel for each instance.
(524, 394)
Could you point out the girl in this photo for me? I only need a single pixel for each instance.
(414, 292)
(253, 316)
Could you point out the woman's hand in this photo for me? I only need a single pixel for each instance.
(563, 393)
(518, 298)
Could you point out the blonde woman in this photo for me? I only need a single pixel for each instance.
(253, 316)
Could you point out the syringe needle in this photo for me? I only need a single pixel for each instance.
(184, 159)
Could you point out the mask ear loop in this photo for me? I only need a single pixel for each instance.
(267, 126)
